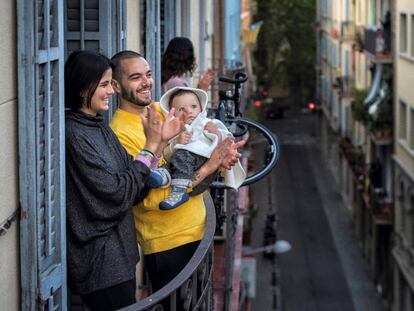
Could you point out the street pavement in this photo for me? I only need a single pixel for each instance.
(325, 270)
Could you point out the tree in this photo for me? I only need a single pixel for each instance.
(286, 46)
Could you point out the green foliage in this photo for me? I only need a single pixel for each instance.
(286, 44)
(381, 120)
(359, 111)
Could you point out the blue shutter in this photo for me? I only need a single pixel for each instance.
(347, 61)
(153, 43)
(168, 17)
(83, 29)
(347, 10)
(95, 25)
(41, 153)
(202, 36)
(232, 30)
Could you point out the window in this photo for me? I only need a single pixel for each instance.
(372, 10)
(153, 43)
(400, 211)
(347, 62)
(95, 25)
(347, 10)
(411, 210)
(412, 34)
(403, 33)
(403, 121)
(411, 131)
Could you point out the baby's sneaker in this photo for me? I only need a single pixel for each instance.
(158, 178)
(177, 197)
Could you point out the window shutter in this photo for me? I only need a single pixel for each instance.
(41, 151)
(98, 26)
(167, 20)
(95, 25)
(153, 44)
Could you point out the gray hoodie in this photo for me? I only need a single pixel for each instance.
(102, 184)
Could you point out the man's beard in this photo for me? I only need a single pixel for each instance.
(130, 96)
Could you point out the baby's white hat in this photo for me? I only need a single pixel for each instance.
(202, 97)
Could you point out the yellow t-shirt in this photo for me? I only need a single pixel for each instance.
(158, 230)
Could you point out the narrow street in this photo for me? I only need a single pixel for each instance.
(325, 270)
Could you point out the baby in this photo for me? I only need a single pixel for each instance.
(185, 154)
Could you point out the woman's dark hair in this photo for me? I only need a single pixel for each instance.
(83, 71)
(178, 59)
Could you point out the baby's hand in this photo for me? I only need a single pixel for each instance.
(183, 138)
(212, 128)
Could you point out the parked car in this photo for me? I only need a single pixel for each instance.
(274, 108)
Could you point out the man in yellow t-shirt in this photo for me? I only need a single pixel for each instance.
(168, 238)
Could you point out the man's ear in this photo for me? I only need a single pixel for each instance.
(116, 86)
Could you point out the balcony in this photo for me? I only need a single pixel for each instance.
(194, 284)
(346, 87)
(377, 44)
(354, 155)
(348, 31)
(382, 137)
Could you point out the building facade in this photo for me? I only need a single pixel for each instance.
(37, 37)
(355, 73)
(403, 248)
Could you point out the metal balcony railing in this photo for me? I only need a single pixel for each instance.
(377, 42)
(193, 286)
(347, 84)
(348, 30)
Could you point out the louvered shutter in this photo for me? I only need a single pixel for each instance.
(153, 43)
(167, 22)
(95, 25)
(41, 152)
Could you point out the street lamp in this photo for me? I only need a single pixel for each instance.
(279, 247)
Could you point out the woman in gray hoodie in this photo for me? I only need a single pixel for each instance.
(103, 182)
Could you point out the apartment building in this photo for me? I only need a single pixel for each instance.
(37, 36)
(403, 248)
(355, 68)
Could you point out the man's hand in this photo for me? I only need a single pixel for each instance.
(225, 154)
(172, 126)
(152, 127)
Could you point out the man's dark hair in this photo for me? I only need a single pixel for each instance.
(118, 57)
(178, 59)
(83, 71)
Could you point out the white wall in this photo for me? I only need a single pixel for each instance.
(9, 246)
(133, 26)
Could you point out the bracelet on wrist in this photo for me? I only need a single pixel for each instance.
(148, 153)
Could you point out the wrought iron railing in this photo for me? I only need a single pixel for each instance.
(347, 85)
(348, 30)
(192, 288)
(377, 41)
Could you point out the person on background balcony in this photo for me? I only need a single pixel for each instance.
(178, 65)
(103, 182)
(168, 238)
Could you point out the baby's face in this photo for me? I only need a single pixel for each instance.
(186, 104)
